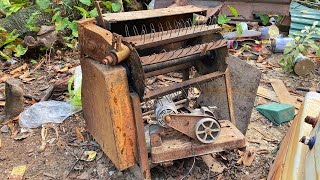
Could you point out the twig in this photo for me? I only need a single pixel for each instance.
(3, 13)
(48, 93)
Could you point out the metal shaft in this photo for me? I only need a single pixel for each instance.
(174, 62)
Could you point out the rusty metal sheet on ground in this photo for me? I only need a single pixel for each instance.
(245, 81)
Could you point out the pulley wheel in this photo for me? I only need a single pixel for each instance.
(207, 130)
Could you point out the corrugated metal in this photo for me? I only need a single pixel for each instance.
(301, 19)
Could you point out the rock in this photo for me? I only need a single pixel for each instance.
(5, 129)
(14, 98)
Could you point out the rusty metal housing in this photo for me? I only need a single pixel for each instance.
(120, 51)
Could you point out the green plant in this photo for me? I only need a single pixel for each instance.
(302, 41)
(31, 22)
(223, 19)
(10, 45)
(75, 95)
(11, 7)
(264, 18)
(239, 29)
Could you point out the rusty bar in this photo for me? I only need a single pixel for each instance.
(168, 38)
(169, 69)
(184, 84)
(141, 141)
(174, 62)
(188, 51)
(102, 21)
(229, 96)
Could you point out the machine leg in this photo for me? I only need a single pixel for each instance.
(141, 141)
(229, 96)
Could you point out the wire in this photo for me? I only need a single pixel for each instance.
(194, 161)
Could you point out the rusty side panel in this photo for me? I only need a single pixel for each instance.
(108, 112)
(94, 41)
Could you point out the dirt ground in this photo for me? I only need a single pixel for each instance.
(61, 157)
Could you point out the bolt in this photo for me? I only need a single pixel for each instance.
(168, 119)
(311, 120)
(308, 141)
(108, 60)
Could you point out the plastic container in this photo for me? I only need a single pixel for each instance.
(279, 44)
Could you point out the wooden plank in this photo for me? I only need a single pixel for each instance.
(179, 146)
(268, 94)
(283, 94)
(145, 14)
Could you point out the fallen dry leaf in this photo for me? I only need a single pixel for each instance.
(260, 59)
(4, 78)
(30, 101)
(79, 134)
(13, 129)
(19, 69)
(247, 157)
(0, 142)
(2, 103)
(17, 172)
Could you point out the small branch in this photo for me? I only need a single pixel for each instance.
(3, 13)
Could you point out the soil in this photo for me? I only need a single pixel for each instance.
(61, 159)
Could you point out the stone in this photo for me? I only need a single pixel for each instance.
(14, 98)
(5, 129)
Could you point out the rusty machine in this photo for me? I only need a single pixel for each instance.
(122, 53)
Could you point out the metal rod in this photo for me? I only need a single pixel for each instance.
(184, 84)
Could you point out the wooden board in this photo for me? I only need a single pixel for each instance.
(283, 94)
(145, 14)
(268, 94)
(179, 147)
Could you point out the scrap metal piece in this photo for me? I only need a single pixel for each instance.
(245, 81)
(108, 111)
(164, 107)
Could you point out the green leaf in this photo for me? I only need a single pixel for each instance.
(86, 2)
(3, 29)
(223, 19)
(108, 5)
(116, 7)
(56, 17)
(6, 57)
(318, 52)
(75, 95)
(11, 37)
(62, 24)
(233, 11)
(288, 50)
(20, 51)
(43, 4)
(239, 29)
(93, 12)
(74, 28)
(301, 48)
(5, 2)
(31, 22)
(296, 53)
(34, 61)
(264, 18)
(84, 12)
